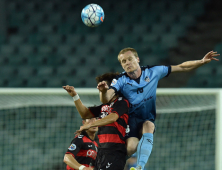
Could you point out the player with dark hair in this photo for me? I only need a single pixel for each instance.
(112, 123)
(138, 85)
(82, 152)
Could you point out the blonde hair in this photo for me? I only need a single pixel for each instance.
(128, 49)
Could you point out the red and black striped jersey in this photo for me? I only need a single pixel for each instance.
(112, 136)
(83, 149)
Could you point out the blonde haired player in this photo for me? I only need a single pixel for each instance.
(138, 85)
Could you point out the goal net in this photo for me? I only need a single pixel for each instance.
(37, 126)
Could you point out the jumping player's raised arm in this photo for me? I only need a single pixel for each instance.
(190, 65)
(106, 94)
(83, 110)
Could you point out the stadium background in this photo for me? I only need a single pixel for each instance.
(43, 43)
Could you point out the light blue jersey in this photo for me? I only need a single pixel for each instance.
(141, 92)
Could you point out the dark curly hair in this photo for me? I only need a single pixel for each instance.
(108, 77)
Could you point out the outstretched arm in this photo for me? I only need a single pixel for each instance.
(83, 110)
(72, 162)
(190, 65)
(106, 94)
(111, 118)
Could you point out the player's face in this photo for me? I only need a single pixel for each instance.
(92, 129)
(129, 61)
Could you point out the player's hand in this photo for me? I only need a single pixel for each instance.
(210, 56)
(84, 127)
(70, 90)
(102, 86)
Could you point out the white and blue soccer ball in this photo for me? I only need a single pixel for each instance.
(92, 15)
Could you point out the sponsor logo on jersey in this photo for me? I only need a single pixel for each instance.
(72, 147)
(113, 82)
(91, 153)
(147, 79)
(127, 129)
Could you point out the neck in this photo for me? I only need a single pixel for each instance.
(134, 74)
(91, 134)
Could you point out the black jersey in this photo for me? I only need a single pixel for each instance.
(83, 149)
(112, 136)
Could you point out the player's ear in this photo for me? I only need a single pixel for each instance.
(138, 59)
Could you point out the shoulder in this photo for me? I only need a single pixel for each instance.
(122, 100)
(121, 75)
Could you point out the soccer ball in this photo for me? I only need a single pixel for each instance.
(92, 15)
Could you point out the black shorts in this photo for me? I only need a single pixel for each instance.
(111, 160)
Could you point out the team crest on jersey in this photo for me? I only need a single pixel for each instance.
(113, 82)
(147, 79)
(72, 147)
(80, 136)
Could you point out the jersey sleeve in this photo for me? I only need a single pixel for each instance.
(163, 71)
(120, 107)
(96, 110)
(116, 84)
(75, 146)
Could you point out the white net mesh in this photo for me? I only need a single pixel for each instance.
(36, 130)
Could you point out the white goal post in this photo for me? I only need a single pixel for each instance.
(169, 101)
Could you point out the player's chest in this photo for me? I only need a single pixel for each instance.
(89, 150)
(105, 110)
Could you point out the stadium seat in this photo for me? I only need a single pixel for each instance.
(158, 29)
(7, 71)
(35, 82)
(45, 71)
(130, 40)
(178, 30)
(26, 29)
(168, 18)
(16, 60)
(103, 50)
(54, 39)
(17, 18)
(65, 28)
(186, 20)
(150, 38)
(177, 7)
(169, 40)
(54, 18)
(158, 6)
(219, 71)
(195, 8)
(83, 50)
(64, 71)
(55, 60)
(36, 18)
(54, 82)
(149, 18)
(111, 39)
(74, 60)
(92, 39)
(25, 49)
(7, 49)
(25, 72)
(46, 29)
(64, 49)
(36, 60)
(16, 39)
(73, 39)
(45, 49)
(17, 82)
(36, 39)
(121, 29)
(139, 29)
(93, 60)
(73, 81)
